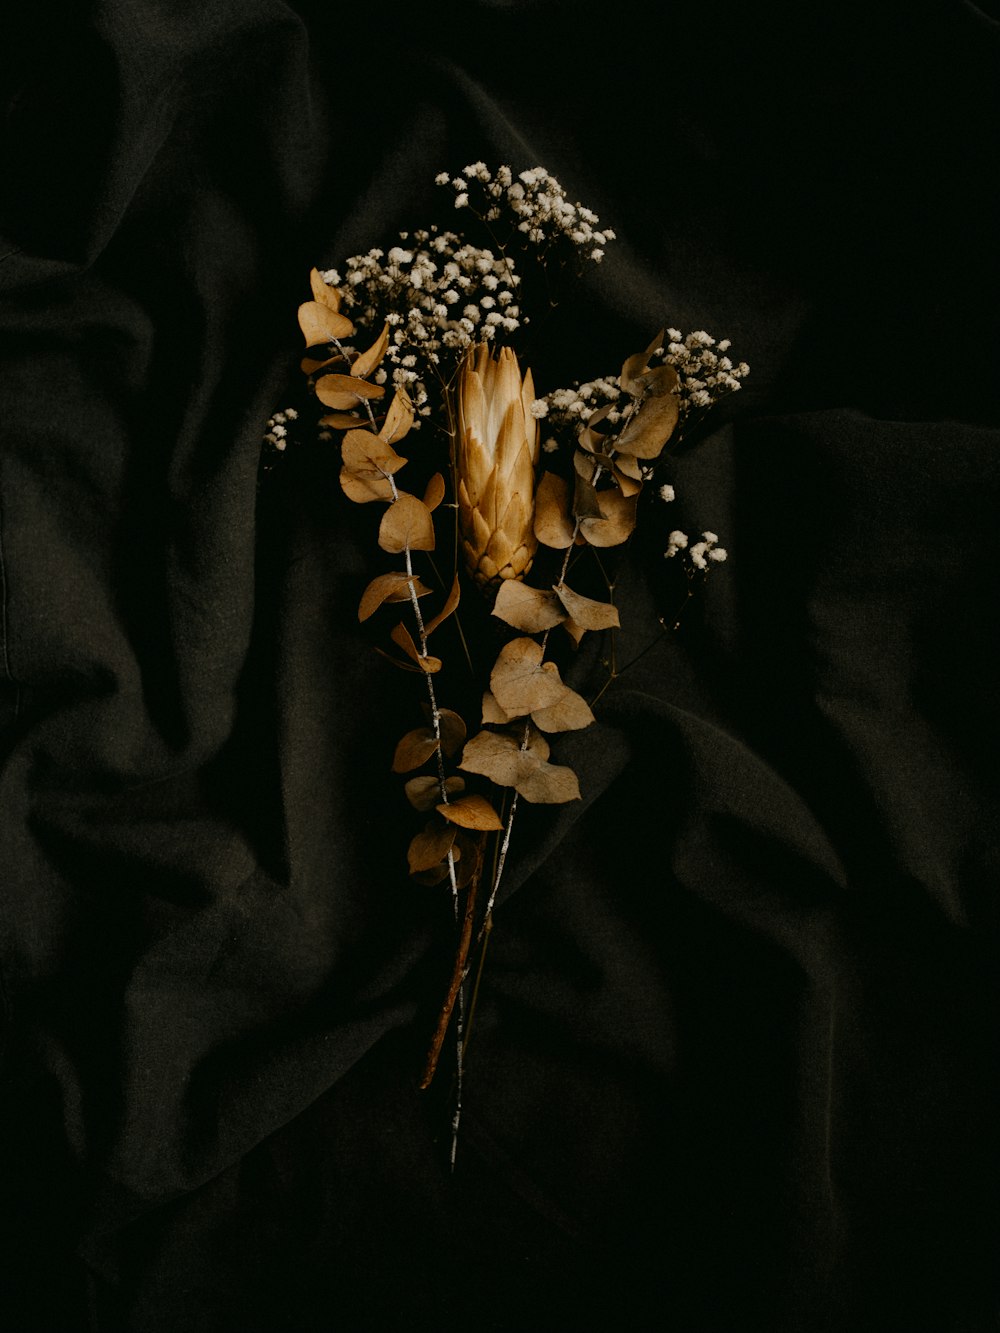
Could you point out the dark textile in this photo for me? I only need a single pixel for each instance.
(734, 1066)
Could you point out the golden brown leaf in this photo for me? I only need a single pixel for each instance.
(530, 609)
(437, 875)
(424, 793)
(415, 748)
(368, 454)
(431, 846)
(586, 611)
(369, 360)
(341, 420)
(626, 484)
(521, 681)
(402, 638)
(492, 712)
(473, 812)
(406, 524)
(451, 602)
(500, 759)
(553, 522)
(570, 712)
(343, 391)
(650, 426)
(434, 492)
(362, 490)
(321, 325)
(617, 522)
(535, 743)
(453, 730)
(311, 363)
(398, 419)
(322, 291)
(585, 499)
(575, 631)
(392, 587)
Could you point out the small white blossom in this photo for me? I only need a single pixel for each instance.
(667, 493)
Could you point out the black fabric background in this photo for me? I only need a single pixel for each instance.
(735, 1064)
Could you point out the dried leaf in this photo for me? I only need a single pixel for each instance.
(636, 377)
(368, 454)
(362, 490)
(575, 631)
(402, 638)
(630, 466)
(617, 522)
(415, 748)
(529, 738)
(471, 812)
(465, 850)
(553, 521)
(310, 364)
(587, 612)
(392, 587)
(406, 524)
(585, 501)
(626, 484)
(431, 846)
(321, 325)
(492, 712)
(570, 712)
(586, 463)
(500, 759)
(341, 420)
(451, 602)
(343, 391)
(546, 784)
(530, 609)
(493, 756)
(398, 419)
(424, 793)
(369, 360)
(322, 291)
(650, 426)
(437, 875)
(368, 461)
(521, 681)
(434, 492)
(453, 730)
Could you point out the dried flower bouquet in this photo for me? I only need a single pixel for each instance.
(438, 315)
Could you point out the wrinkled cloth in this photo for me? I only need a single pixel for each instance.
(734, 1058)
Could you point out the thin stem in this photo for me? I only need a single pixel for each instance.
(457, 976)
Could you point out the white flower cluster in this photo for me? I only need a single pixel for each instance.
(698, 555)
(438, 295)
(536, 205)
(277, 427)
(705, 374)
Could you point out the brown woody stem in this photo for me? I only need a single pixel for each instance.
(457, 974)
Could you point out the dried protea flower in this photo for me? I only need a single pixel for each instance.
(496, 456)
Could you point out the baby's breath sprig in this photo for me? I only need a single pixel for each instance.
(532, 206)
(439, 295)
(705, 375)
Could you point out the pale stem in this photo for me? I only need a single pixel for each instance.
(443, 791)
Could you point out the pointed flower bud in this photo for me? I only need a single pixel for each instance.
(496, 453)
